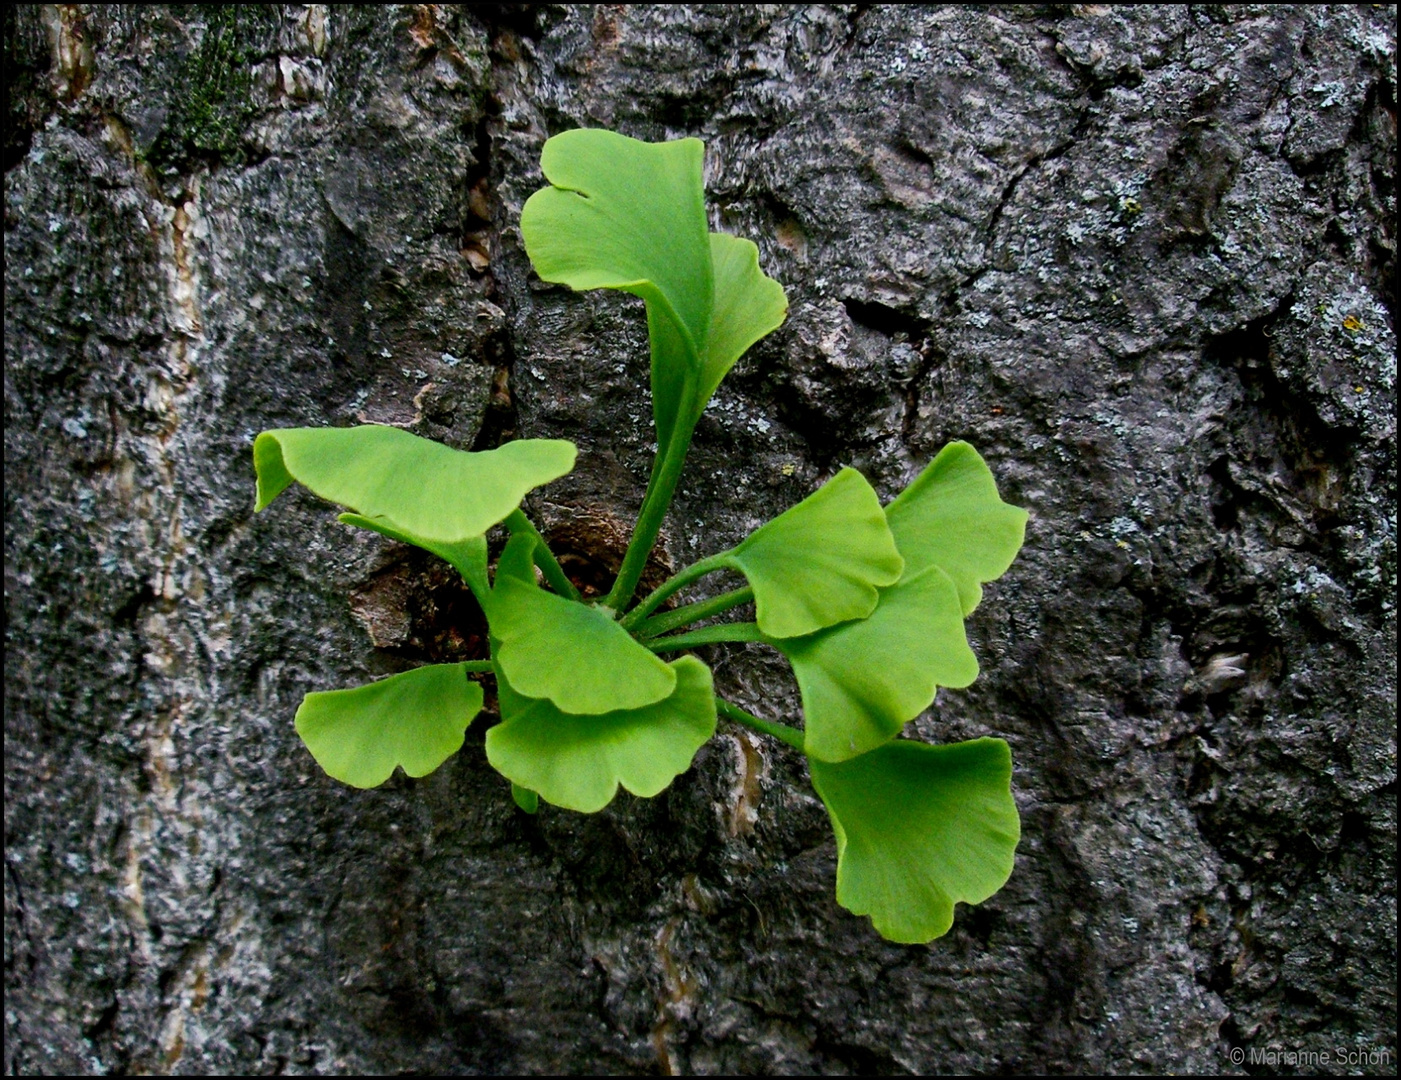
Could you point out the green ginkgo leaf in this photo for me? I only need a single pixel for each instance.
(573, 654)
(467, 557)
(919, 829)
(518, 560)
(426, 492)
(630, 215)
(952, 517)
(819, 563)
(416, 720)
(749, 305)
(578, 761)
(624, 214)
(861, 681)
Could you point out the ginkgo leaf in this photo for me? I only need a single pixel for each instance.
(467, 557)
(819, 563)
(624, 214)
(952, 517)
(416, 720)
(749, 305)
(527, 800)
(573, 654)
(578, 761)
(861, 681)
(427, 492)
(630, 215)
(919, 829)
(517, 560)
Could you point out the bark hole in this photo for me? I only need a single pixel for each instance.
(420, 609)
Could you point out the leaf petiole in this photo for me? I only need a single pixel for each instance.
(692, 613)
(545, 559)
(707, 635)
(655, 504)
(792, 736)
(673, 584)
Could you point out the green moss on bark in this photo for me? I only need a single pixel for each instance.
(212, 97)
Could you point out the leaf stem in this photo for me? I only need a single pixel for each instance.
(706, 635)
(690, 613)
(475, 576)
(676, 582)
(478, 666)
(792, 736)
(545, 559)
(655, 504)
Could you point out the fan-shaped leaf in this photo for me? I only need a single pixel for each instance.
(952, 517)
(518, 560)
(625, 214)
(861, 681)
(571, 653)
(416, 720)
(426, 492)
(819, 563)
(919, 829)
(630, 215)
(578, 761)
(749, 305)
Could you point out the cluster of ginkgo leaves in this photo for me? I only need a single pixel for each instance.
(866, 602)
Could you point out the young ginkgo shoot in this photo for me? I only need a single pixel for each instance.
(867, 602)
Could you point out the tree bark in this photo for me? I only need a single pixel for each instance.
(1142, 258)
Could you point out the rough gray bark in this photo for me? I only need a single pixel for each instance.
(1143, 258)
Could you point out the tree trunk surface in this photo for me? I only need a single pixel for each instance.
(1142, 258)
